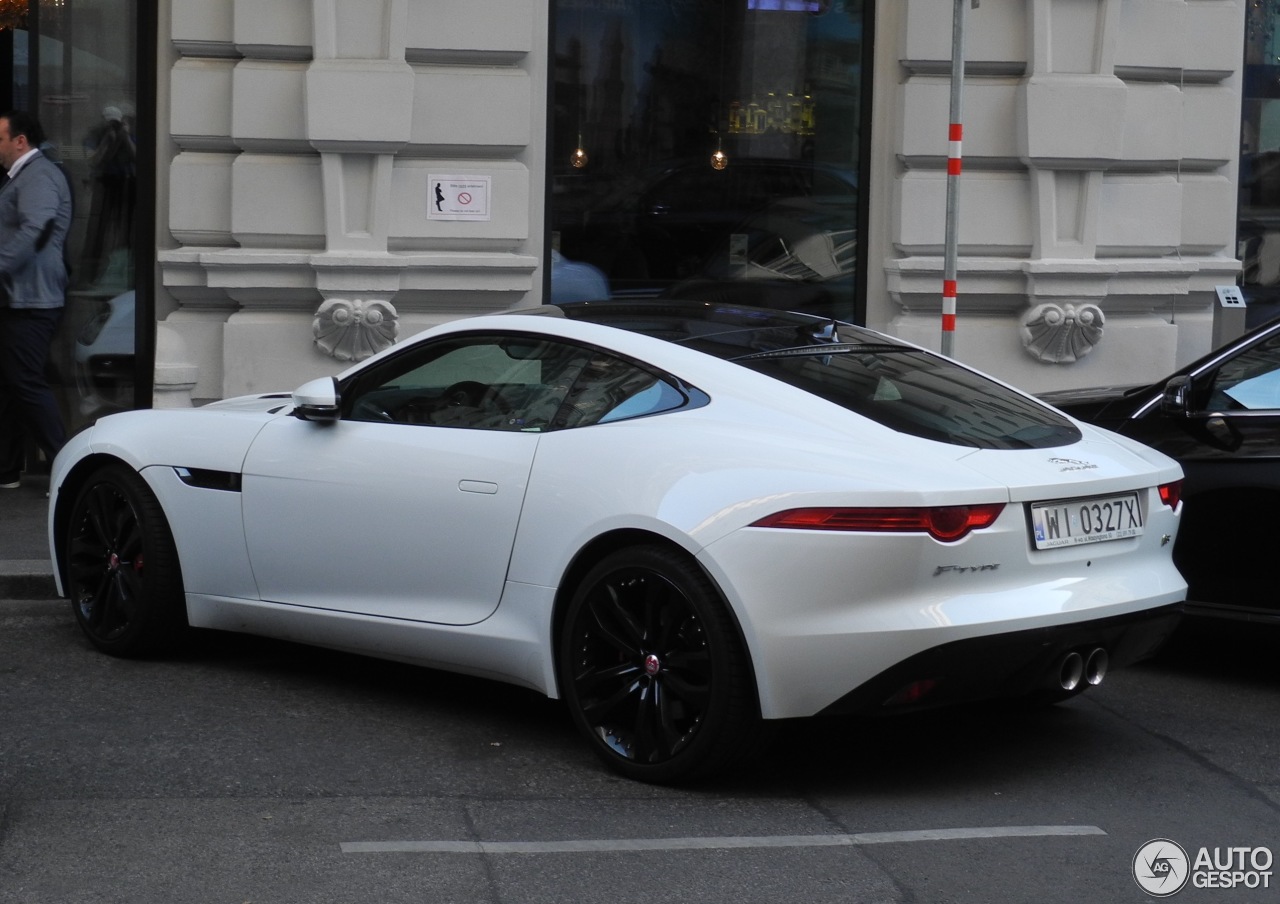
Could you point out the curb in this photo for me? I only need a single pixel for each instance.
(27, 579)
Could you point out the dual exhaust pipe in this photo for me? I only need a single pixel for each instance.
(1075, 669)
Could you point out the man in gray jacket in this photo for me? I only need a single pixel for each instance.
(35, 215)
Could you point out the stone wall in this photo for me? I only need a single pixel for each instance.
(304, 142)
(1098, 195)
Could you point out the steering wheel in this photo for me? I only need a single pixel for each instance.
(464, 392)
(493, 399)
(368, 410)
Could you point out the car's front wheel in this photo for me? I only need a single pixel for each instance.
(653, 670)
(122, 569)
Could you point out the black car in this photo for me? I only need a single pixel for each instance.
(1220, 418)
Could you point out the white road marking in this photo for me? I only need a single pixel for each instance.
(612, 845)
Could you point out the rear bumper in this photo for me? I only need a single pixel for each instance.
(1015, 664)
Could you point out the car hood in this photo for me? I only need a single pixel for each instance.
(270, 401)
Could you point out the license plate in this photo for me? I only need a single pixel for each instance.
(1076, 521)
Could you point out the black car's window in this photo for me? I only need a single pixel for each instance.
(1249, 381)
(507, 382)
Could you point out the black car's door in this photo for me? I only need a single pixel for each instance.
(1228, 441)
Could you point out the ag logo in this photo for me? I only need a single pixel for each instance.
(1161, 867)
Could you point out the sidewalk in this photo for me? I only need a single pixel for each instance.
(25, 570)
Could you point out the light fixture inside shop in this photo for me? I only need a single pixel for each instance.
(719, 159)
(579, 157)
(13, 14)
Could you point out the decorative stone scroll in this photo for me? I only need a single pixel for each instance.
(1061, 334)
(354, 330)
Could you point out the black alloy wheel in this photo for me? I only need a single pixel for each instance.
(122, 569)
(653, 670)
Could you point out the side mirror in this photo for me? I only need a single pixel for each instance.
(1176, 398)
(317, 400)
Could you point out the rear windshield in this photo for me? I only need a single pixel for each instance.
(915, 392)
(908, 389)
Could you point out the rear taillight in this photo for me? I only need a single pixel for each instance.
(1171, 493)
(946, 523)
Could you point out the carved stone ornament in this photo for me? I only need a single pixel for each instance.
(354, 330)
(1062, 334)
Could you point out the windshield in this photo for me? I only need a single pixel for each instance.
(915, 392)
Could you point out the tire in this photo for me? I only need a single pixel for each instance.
(122, 570)
(653, 670)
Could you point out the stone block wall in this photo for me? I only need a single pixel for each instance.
(1098, 195)
(303, 139)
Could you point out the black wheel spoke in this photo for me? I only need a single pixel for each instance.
(128, 586)
(592, 676)
(95, 532)
(616, 624)
(690, 693)
(688, 660)
(644, 743)
(671, 709)
(599, 709)
(100, 606)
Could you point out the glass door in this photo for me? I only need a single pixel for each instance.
(73, 64)
(708, 150)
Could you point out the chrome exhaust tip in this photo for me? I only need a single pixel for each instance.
(1070, 671)
(1095, 667)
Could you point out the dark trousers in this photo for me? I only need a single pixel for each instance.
(27, 404)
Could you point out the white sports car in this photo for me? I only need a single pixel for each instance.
(680, 518)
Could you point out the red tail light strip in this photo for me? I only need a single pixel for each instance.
(1171, 493)
(946, 523)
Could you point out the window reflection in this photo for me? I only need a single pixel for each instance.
(73, 64)
(1258, 233)
(651, 90)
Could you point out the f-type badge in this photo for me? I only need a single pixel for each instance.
(1073, 464)
(963, 569)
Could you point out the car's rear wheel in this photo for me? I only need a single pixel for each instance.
(122, 569)
(653, 670)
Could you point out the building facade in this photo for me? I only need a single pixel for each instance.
(1098, 201)
(324, 177)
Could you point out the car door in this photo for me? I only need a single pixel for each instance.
(1226, 435)
(407, 506)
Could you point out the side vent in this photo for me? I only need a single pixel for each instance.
(209, 480)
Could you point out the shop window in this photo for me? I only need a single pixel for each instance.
(73, 64)
(1258, 230)
(710, 149)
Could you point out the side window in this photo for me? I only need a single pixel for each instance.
(1250, 381)
(506, 382)
(485, 382)
(611, 389)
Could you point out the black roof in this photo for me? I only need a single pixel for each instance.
(722, 330)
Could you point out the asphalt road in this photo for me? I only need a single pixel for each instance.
(258, 771)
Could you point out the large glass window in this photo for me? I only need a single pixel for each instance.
(708, 149)
(73, 64)
(1258, 235)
